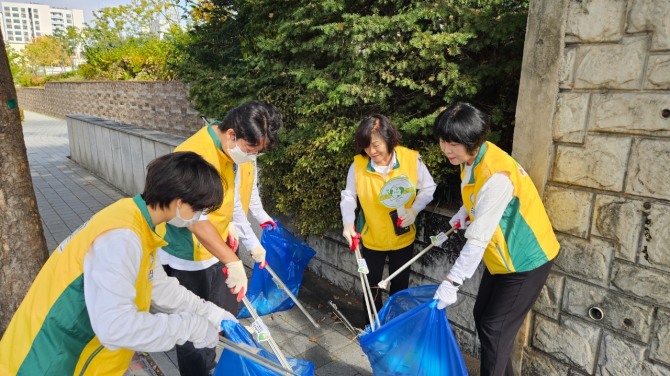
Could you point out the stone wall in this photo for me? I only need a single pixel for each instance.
(158, 105)
(593, 121)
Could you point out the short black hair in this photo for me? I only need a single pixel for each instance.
(183, 175)
(253, 121)
(382, 126)
(462, 123)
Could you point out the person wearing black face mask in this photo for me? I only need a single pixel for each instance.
(196, 254)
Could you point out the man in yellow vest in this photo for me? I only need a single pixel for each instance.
(507, 226)
(87, 311)
(196, 255)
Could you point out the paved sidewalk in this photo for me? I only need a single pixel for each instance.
(68, 195)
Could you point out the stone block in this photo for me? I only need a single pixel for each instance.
(648, 169)
(587, 259)
(460, 313)
(650, 16)
(619, 357)
(645, 284)
(127, 184)
(116, 159)
(656, 243)
(569, 210)
(549, 301)
(136, 164)
(163, 149)
(619, 219)
(467, 341)
(536, 363)
(624, 315)
(611, 66)
(567, 68)
(660, 341)
(572, 342)
(658, 73)
(630, 113)
(595, 21)
(600, 163)
(569, 124)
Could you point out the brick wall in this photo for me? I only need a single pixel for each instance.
(158, 105)
(594, 110)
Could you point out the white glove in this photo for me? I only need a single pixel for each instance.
(258, 254)
(215, 315)
(349, 232)
(237, 278)
(408, 218)
(206, 336)
(233, 240)
(462, 217)
(446, 294)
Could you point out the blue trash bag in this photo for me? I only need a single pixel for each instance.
(234, 364)
(288, 256)
(417, 342)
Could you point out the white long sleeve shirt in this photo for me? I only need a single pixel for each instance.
(490, 204)
(246, 233)
(111, 267)
(425, 186)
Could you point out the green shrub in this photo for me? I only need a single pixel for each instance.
(328, 64)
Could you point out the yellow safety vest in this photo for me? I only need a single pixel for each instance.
(181, 242)
(374, 221)
(247, 173)
(50, 333)
(524, 238)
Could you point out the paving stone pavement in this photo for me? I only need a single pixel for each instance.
(67, 195)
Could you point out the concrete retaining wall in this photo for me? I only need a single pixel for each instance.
(158, 105)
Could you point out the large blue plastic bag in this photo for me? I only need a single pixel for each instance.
(417, 342)
(234, 364)
(404, 301)
(288, 256)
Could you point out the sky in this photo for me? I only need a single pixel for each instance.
(87, 5)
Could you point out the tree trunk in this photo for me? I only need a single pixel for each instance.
(23, 249)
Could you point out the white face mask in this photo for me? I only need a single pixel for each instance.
(178, 221)
(239, 157)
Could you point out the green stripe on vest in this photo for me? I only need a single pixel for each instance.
(67, 315)
(525, 251)
(180, 242)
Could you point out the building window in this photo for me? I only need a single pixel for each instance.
(19, 39)
(15, 15)
(9, 32)
(15, 9)
(10, 38)
(38, 34)
(37, 28)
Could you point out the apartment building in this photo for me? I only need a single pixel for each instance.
(22, 22)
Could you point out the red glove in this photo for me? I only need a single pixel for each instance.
(355, 241)
(271, 223)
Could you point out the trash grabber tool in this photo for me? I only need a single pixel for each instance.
(342, 318)
(288, 292)
(252, 354)
(367, 292)
(264, 334)
(434, 240)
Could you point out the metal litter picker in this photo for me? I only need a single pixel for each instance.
(367, 292)
(264, 334)
(288, 292)
(434, 241)
(250, 353)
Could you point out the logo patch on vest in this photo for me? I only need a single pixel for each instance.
(397, 192)
(521, 170)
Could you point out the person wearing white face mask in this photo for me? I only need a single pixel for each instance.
(87, 311)
(196, 254)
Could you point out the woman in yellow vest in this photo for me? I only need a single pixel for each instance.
(196, 255)
(392, 185)
(507, 226)
(87, 311)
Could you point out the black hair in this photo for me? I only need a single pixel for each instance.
(382, 126)
(186, 176)
(253, 121)
(462, 123)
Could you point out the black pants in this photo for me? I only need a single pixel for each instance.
(502, 303)
(210, 285)
(376, 261)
